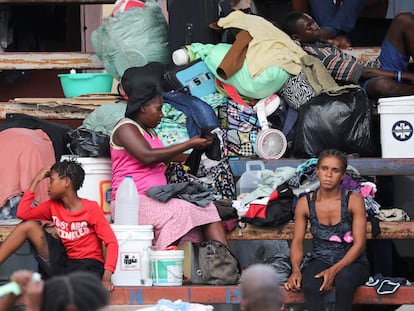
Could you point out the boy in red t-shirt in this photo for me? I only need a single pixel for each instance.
(79, 227)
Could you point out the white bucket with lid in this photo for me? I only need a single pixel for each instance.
(132, 240)
(397, 126)
(167, 267)
(98, 181)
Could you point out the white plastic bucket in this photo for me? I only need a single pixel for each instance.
(98, 181)
(132, 241)
(167, 267)
(397, 126)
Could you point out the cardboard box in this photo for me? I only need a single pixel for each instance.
(190, 266)
(397, 126)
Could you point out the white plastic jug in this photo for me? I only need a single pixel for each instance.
(251, 178)
(127, 203)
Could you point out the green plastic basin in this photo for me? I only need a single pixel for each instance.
(75, 84)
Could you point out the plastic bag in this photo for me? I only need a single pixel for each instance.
(132, 39)
(88, 143)
(341, 121)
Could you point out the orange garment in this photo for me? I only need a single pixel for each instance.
(235, 57)
(24, 152)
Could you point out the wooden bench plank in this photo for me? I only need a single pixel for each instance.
(389, 230)
(45, 113)
(49, 60)
(208, 294)
(364, 295)
(58, 1)
(365, 166)
(364, 54)
(85, 60)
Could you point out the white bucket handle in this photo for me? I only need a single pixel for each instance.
(121, 242)
(156, 261)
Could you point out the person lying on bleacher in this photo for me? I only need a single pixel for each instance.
(388, 76)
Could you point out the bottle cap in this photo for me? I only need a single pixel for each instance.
(180, 57)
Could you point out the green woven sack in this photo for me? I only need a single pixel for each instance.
(132, 39)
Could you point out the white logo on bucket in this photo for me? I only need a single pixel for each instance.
(130, 261)
(402, 130)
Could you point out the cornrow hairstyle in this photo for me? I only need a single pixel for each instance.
(71, 169)
(334, 153)
(289, 22)
(81, 289)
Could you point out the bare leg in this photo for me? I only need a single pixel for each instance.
(401, 34)
(215, 231)
(27, 230)
(386, 87)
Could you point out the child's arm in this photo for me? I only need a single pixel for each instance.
(107, 236)
(24, 209)
(106, 280)
(42, 174)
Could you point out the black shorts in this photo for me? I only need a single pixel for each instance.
(58, 263)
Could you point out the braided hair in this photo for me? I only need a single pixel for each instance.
(71, 169)
(81, 290)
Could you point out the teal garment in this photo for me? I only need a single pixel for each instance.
(215, 100)
(308, 163)
(270, 180)
(104, 118)
(268, 82)
(172, 129)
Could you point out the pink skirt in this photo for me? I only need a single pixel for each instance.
(175, 220)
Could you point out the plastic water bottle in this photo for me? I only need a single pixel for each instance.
(126, 203)
(251, 178)
(145, 268)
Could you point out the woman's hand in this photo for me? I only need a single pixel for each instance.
(22, 278)
(200, 143)
(33, 296)
(30, 290)
(294, 282)
(328, 280)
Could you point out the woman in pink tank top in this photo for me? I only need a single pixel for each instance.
(137, 151)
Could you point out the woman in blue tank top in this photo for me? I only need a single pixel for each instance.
(338, 227)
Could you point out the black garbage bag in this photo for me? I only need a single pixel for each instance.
(88, 143)
(342, 121)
